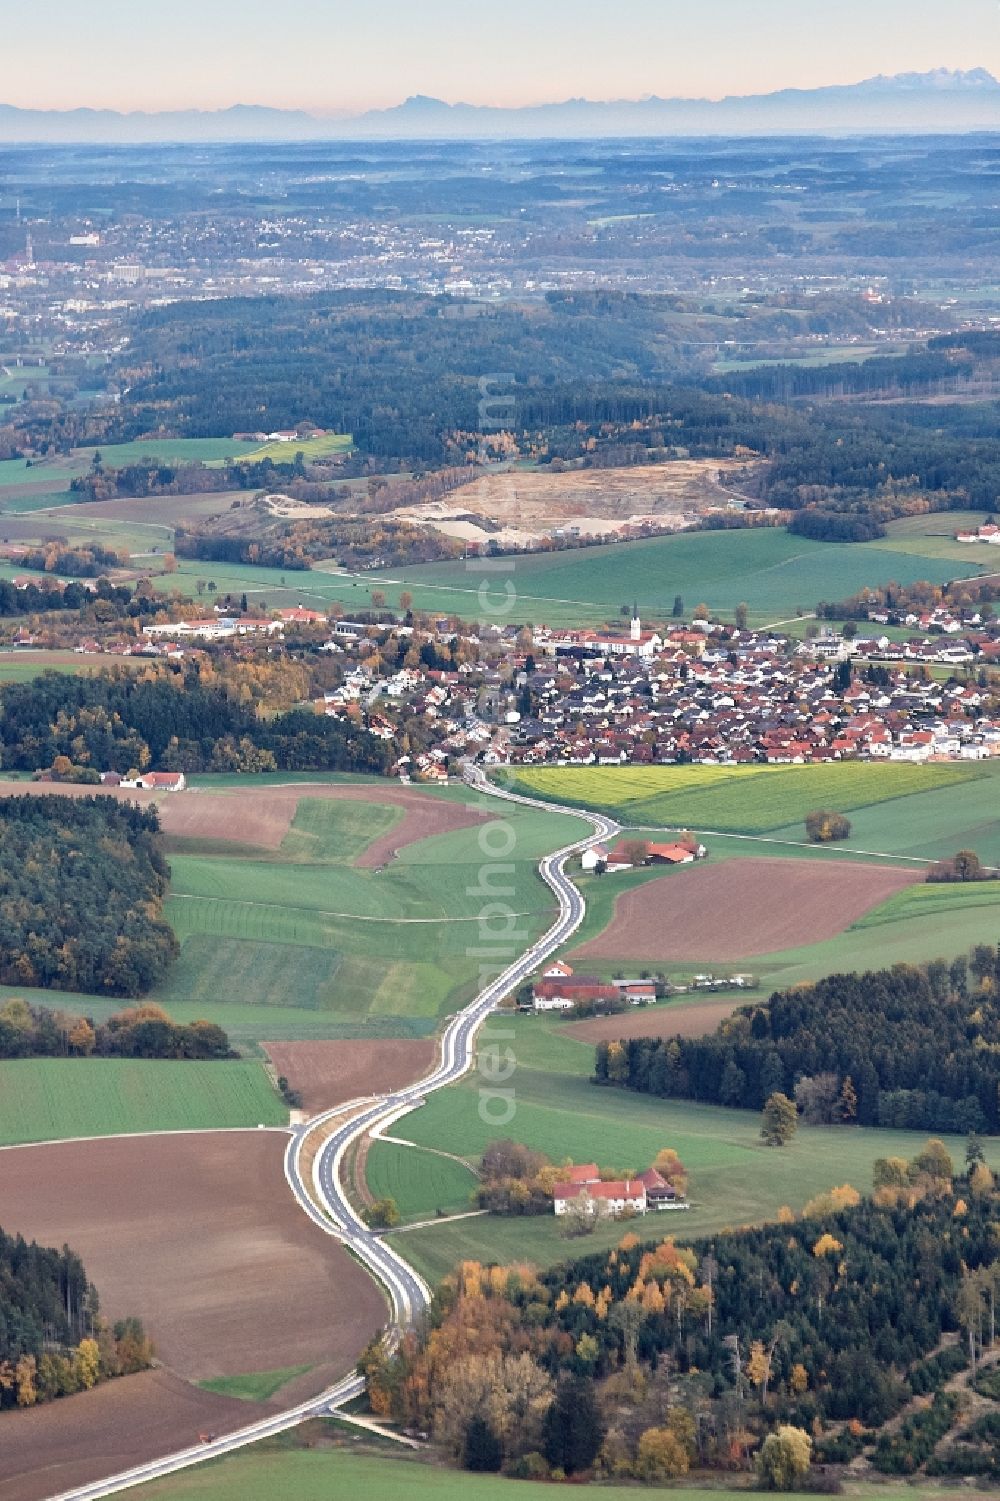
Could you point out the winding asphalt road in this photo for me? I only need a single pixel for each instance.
(408, 1294)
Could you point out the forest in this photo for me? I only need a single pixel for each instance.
(402, 374)
(82, 882)
(397, 371)
(173, 719)
(53, 1340)
(690, 1356)
(914, 1044)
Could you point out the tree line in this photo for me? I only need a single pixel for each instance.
(144, 1031)
(908, 1047)
(53, 1340)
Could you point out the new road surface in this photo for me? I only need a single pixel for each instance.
(408, 1294)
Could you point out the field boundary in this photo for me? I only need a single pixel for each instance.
(188, 896)
(65, 1141)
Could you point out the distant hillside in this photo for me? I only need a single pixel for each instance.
(941, 100)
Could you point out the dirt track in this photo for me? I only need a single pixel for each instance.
(262, 816)
(328, 1073)
(731, 911)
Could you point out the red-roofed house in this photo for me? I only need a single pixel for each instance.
(562, 995)
(584, 1172)
(602, 1198)
(158, 781)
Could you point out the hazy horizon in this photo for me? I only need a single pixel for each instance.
(352, 58)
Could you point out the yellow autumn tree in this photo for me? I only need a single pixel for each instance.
(758, 1364)
(981, 1180)
(826, 1245)
(653, 1300)
(660, 1456)
(831, 1202)
(24, 1378)
(87, 1363)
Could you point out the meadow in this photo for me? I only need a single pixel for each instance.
(284, 1471)
(170, 451)
(256, 1386)
(933, 536)
(422, 1183)
(773, 572)
(311, 449)
(314, 932)
(747, 799)
(299, 944)
(557, 1110)
(44, 1099)
(23, 666)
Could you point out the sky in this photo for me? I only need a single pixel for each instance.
(329, 56)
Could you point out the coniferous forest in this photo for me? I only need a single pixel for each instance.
(82, 882)
(53, 1340)
(913, 1043)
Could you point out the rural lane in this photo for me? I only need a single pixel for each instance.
(408, 1294)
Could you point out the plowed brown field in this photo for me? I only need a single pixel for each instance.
(731, 911)
(79, 1439)
(695, 1020)
(262, 816)
(200, 1236)
(329, 1073)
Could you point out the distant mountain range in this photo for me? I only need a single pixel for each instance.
(942, 100)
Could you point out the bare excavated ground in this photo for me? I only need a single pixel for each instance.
(530, 502)
(262, 816)
(695, 1020)
(330, 1073)
(199, 1236)
(80, 1439)
(732, 911)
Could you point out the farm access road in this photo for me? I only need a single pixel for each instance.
(406, 1290)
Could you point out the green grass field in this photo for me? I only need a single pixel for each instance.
(734, 1179)
(300, 944)
(258, 1386)
(22, 667)
(281, 1471)
(310, 931)
(773, 572)
(169, 450)
(42, 1099)
(293, 1474)
(420, 1182)
(744, 799)
(311, 449)
(933, 536)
